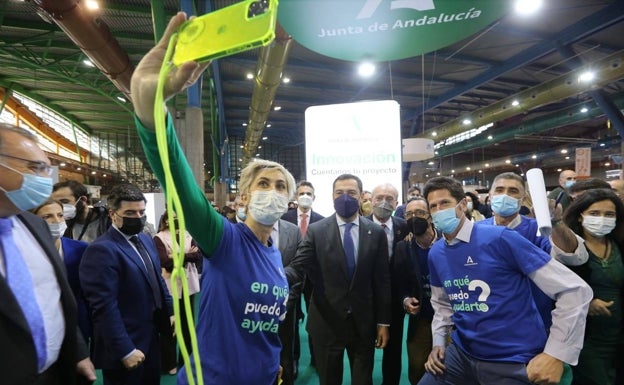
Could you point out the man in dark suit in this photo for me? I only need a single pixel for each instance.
(288, 238)
(129, 301)
(303, 216)
(33, 349)
(346, 258)
(384, 199)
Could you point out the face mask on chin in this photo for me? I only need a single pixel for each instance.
(266, 207)
(33, 192)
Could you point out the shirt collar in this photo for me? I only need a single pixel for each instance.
(464, 233)
(514, 222)
(388, 222)
(341, 222)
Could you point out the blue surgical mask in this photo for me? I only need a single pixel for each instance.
(34, 191)
(241, 213)
(504, 205)
(446, 220)
(569, 183)
(346, 205)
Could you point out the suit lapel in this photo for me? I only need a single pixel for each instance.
(129, 251)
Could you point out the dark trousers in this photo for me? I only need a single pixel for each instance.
(329, 357)
(168, 342)
(418, 349)
(147, 373)
(307, 293)
(391, 362)
(286, 334)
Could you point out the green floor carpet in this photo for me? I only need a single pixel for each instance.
(307, 374)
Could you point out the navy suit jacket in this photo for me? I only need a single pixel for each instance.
(72, 255)
(366, 295)
(291, 216)
(18, 359)
(117, 290)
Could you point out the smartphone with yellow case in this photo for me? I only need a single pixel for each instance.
(236, 28)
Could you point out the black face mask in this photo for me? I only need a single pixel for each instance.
(132, 226)
(418, 226)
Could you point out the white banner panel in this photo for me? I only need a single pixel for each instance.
(363, 139)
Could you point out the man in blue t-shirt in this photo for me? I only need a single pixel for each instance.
(480, 285)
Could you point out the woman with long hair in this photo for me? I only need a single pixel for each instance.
(598, 217)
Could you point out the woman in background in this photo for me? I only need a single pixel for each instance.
(51, 211)
(192, 259)
(598, 217)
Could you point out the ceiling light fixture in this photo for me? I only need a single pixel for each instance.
(586, 77)
(527, 7)
(366, 69)
(277, 108)
(286, 80)
(88, 63)
(466, 122)
(92, 5)
(249, 75)
(584, 109)
(515, 103)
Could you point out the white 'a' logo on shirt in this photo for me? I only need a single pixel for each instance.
(470, 262)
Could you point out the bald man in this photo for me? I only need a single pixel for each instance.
(566, 179)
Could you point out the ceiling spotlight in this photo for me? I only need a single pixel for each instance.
(602, 144)
(244, 124)
(508, 161)
(249, 76)
(468, 168)
(515, 103)
(489, 137)
(92, 5)
(586, 77)
(466, 122)
(62, 164)
(265, 137)
(564, 151)
(480, 171)
(607, 164)
(93, 173)
(277, 108)
(78, 168)
(567, 157)
(269, 125)
(438, 174)
(558, 170)
(434, 133)
(121, 99)
(241, 146)
(366, 69)
(88, 63)
(286, 80)
(104, 175)
(584, 109)
(453, 171)
(527, 7)
(534, 157)
(430, 163)
(487, 165)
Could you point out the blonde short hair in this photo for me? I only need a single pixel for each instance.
(251, 171)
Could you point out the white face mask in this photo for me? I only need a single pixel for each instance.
(57, 229)
(469, 206)
(266, 207)
(304, 201)
(69, 211)
(598, 226)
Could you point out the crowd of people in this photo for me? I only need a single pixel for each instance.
(488, 299)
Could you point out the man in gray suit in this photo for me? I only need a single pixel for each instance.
(346, 258)
(288, 237)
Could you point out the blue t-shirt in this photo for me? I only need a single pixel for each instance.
(528, 229)
(487, 282)
(244, 292)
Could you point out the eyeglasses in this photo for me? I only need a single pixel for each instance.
(416, 213)
(36, 166)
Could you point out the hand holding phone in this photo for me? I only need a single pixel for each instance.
(239, 27)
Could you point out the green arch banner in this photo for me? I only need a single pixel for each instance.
(380, 30)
